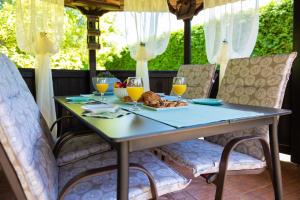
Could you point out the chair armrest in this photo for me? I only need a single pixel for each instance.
(58, 120)
(220, 178)
(103, 170)
(65, 138)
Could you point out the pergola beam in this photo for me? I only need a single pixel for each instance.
(111, 5)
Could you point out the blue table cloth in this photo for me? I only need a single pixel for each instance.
(194, 115)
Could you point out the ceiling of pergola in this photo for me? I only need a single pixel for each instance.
(183, 9)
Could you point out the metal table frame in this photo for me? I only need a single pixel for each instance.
(129, 144)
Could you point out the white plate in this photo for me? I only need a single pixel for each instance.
(161, 94)
(98, 108)
(167, 108)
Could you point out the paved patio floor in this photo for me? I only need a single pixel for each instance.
(244, 187)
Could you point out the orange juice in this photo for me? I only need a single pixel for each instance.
(102, 87)
(179, 89)
(135, 92)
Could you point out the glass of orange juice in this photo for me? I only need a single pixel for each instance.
(102, 86)
(135, 90)
(179, 86)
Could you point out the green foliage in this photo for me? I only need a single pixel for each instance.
(171, 59)
(8, 43)
(109, 45)
(73, 52)
(69, 57)
(274, 37)
(275, 29)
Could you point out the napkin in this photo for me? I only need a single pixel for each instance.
(100, 108)
(107, 115)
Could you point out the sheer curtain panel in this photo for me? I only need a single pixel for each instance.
(147, 31)
(230, 30)
(39, 30)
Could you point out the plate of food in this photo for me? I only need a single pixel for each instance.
(154, 101)
(177, 106)
(161, 94)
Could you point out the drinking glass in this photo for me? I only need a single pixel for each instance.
(102, 86)
(135, 90)
(179, 86)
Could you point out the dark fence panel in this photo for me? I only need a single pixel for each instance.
(74, 82)
(71, 82)
(28, 75)
(295, 79)
(65, 82)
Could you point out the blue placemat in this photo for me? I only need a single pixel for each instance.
(191, 116)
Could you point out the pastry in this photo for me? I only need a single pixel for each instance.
(181, 103)
(127, 99)
(151, 98)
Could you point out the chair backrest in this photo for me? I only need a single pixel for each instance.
(23, 137)
(199, 80)
(257, 81)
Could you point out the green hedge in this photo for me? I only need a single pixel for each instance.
(275, 36)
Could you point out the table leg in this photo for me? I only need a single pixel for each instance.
(276, 170)
(123, 171)
(59, 115)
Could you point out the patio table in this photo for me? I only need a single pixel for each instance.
(135, 132)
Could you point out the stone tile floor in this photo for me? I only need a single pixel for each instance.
(242, 187)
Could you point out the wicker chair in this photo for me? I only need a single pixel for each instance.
(28, 162)
(257, 81)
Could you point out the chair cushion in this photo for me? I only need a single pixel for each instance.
(203, 157)
(198, 78)
(105, 186)
(23, 137)
(81, 147)
(257, 81)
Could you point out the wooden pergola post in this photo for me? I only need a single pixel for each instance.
(186, 10)
(187, 50)
(92, 66)
(93, 33)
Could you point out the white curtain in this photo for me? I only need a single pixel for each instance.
(230, 30)
(39, 29)
(147, 29)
